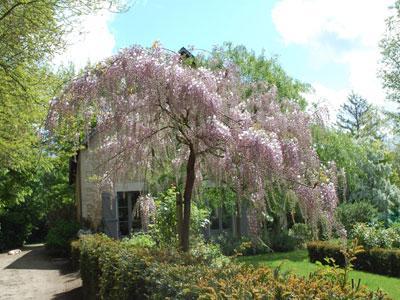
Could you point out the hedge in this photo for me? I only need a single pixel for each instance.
(375, 260)
(116, 270)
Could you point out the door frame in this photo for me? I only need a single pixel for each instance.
(123, 188)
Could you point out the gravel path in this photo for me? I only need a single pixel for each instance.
(31, 274)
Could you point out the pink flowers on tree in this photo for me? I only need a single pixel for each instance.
(148, 105)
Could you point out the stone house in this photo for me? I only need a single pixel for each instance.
(109, 208)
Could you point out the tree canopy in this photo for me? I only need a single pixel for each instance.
(259, 68)
(148, 105)
(359, 118)
(31, 32)
(390, 63)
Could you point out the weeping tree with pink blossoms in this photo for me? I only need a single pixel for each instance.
(148, 105)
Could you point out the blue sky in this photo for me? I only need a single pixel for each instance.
(206, 23)
(331, 44)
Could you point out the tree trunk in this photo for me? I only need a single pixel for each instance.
(187, 197)
(238, 216)
(179, 213)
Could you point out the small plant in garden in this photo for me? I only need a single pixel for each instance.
(357, 212)
(301, 233)
(142, 240)
(165, 227)
(376, 236)
(341, 273)
(350, 255)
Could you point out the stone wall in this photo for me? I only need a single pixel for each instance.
(88, 187)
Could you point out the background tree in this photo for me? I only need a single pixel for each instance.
(359, 118)
(31, 33)
(259, 68)
(367, 170)
(390, 63)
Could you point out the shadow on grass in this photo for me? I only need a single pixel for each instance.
(295, 256)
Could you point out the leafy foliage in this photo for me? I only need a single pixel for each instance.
(301, 233)
(164, 229)
(60, 236)
(198, 118)
(113, 270)
(32, 32)
(390, 70)
(142, 240)
(359, 118)
(376, 236)
(259, 68)
(375, 184)
(350, 213)
(15, 227)
(366, 172)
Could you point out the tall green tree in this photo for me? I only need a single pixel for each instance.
(31, 33)
(359, 118)
(390, 63)
(366, 170)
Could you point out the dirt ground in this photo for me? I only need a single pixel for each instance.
(34, 275)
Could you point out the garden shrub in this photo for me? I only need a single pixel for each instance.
(282, 241)
(60, 236)
(376, 236)
(227, 243)
(396, 229)
(164, 229)
(75, 253)
(140, 239)
(301, 233)
(375, 260)
(231, 245)
(116, 270)
(349, 213)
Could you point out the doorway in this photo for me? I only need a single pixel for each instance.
(128, 222)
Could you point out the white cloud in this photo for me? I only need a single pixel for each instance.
(338, 31)
(304, 21)
(328, 98)
(91, 41)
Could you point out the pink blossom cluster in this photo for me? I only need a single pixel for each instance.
(145, 207)
(150, 106)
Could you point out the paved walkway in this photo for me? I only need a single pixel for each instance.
(33, 275)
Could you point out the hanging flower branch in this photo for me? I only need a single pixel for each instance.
(145, 208)
(147, 104)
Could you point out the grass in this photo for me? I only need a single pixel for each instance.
(298, 263)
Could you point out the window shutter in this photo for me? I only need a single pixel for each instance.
(110, 219)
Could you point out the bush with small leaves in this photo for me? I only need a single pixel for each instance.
(60, 236)
(357, 212)
(116, 270)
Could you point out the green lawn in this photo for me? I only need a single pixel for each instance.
(297, 262)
